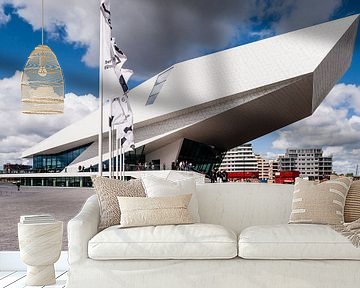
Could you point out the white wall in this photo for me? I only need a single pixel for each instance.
(166, 154)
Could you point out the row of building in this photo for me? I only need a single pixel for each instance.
(242, 163)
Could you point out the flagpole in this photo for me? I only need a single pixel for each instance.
(101, 98)
(110, 141)
(121, 162)
(115, 60)
(117, 156)
(123, 159)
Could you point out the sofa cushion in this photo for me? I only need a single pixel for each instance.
(173, 184)
(192, 241)
(352, 203)
(107, 190)
(300, 241)
(145, 211)
(321, 203)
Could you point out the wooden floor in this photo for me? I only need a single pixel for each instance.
(16, 279)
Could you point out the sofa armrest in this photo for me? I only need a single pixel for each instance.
(82, 228)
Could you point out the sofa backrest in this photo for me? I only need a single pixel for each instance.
(239, 205)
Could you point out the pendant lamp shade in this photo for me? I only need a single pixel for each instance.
(42, 83)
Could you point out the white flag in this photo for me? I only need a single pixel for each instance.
(113, 58)
(113, 71)
(106, 61)
(126, 135)
(118, 57)
(123, 121)
(121, 109)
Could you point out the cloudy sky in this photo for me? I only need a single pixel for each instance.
(156, 34)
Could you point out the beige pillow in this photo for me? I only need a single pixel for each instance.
(138, 211)
(174, 184)
(319, 203)
(352, 203)
(107, 190)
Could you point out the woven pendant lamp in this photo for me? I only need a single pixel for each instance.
(42, 82)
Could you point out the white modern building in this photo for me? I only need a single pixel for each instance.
(197, 109)
(310, 162)
(240, 159)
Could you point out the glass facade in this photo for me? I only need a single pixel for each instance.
(56, 162)
(57, 181)
(203, 157)
(133, 161)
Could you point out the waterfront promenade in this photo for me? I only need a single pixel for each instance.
(63, 203)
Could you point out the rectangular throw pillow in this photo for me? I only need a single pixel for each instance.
(174, 184)
(139, 211)
(107, 190)
(352, 203)
(319, 203)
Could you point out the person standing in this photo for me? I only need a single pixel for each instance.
(218, 176)
(224, 176)
(213, 176)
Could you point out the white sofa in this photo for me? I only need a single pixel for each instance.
(278, 254)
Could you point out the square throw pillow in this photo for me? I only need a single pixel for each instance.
(319, 203)
(352, 203)
(160, 187)
(107, 190)
(139, 211)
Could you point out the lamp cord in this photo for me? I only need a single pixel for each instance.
(42, 16)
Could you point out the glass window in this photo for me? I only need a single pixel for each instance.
(57, 161)
(160, 81)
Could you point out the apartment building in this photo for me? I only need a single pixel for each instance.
(240, 159)
(273, 168)
(310, 162)
(263, 168)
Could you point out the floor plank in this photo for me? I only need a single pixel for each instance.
(12, 278)
(16, 279)
(4, 274)
(60, 281)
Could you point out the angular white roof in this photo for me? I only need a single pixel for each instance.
(233, 96)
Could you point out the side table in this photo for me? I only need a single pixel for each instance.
(40, 247)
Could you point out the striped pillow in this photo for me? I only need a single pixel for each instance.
(145, 211)
(319, 203)
(352, 203)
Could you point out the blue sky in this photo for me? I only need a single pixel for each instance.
(166, 36)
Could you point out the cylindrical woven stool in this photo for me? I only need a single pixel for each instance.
(40, 247)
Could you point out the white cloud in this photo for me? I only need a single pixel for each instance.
(78, 19)
(20, 131)
(269, 155)
(4, 18)
(262, 34)
(335, 126)
(296, 14)
(154, 35)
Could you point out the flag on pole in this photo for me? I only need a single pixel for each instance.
(114, 59)
(119, 58)
(127, 139)
(123, 121)
(106, 62)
